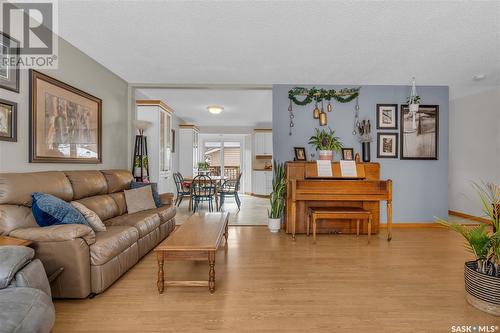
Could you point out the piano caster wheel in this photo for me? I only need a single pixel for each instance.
(389, 238)
(293, 237)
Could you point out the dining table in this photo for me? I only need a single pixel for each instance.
(219, 180)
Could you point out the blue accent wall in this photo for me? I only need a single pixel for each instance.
(420, 188)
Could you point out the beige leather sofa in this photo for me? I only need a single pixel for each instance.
(91, 261)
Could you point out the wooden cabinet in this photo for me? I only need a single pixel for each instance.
(262, 182)
(159, 141)
(263, 143)
(188, 150)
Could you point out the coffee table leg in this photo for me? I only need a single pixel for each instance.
(211, 272)
(160, 283)
(226, 232)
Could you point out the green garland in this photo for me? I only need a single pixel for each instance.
(343, 96)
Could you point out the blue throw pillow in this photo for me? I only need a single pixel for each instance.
(154, 189)
(49, 210)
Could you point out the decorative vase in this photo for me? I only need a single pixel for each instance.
(274, 225)
(326, 155)
(482, 291)
(365, 151)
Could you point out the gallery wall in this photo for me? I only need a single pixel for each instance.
(81, 71)
(474, 147)
(420, 188)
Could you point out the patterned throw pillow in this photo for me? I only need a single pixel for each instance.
(154, 190)
(92, 218)
(49, 210)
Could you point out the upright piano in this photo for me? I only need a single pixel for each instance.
(306, 190)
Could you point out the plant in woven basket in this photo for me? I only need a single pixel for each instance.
(483, 240)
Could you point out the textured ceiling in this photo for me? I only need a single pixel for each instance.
(314, 42)
(252, 108)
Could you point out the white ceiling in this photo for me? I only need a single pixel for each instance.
(242, 108)
(314, 42)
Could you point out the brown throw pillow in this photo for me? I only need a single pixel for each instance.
(139, 199)
(92, 218)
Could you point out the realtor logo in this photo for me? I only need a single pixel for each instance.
(32, 29)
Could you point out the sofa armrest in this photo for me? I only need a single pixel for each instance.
(56, 233)
(12, 259)
(166, 198)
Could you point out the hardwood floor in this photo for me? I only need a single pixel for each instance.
(253, 210)
(267, 282)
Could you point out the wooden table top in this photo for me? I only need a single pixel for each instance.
(7, 240)
(201, 232)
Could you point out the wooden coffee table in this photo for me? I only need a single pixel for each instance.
(196, 239)
(7, 240)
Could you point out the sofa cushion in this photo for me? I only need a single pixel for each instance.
(87, 183)
(166, 213)
(144, 222)
(119, 198)
(154, 191)
(49, 210)
(16, 188)
(13, 217)
(26, 310)
(118, 180)
(112, 242)
(139, 199)
(103, 205)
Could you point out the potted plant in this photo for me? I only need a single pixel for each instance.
(326, 142)
(482, 276)
(203, 168)
(277, 197)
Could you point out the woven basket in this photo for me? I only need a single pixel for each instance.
(482, 291)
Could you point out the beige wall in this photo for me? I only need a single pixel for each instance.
(82, 72)
(474, 147)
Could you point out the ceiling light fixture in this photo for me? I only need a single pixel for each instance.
(479, 77)
(215, 109)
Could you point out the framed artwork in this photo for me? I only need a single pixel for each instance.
(387, 116)
(65, 122)
(173, 141)
(387, 145)
(348, 154)
(300, 153)
(420, 133)
(9, 75)
(8, 121)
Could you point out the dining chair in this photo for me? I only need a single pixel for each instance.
(182, 187)
(203, 188)
(230, 188)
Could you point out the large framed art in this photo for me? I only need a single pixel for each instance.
(420, 133)
(65, 122)
(9, 74)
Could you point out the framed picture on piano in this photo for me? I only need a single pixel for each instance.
(300, 153)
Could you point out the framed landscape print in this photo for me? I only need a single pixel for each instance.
(420, 133)
(8, 121)
(65, 122)
(387, 145)
(387, 116)
(9, 75)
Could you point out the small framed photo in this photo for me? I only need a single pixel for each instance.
(8, 121)
(300, 153)
(348, 154)
(387, 145)
(387, 116)
(9, 74)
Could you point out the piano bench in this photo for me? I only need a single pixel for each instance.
(339, 213)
